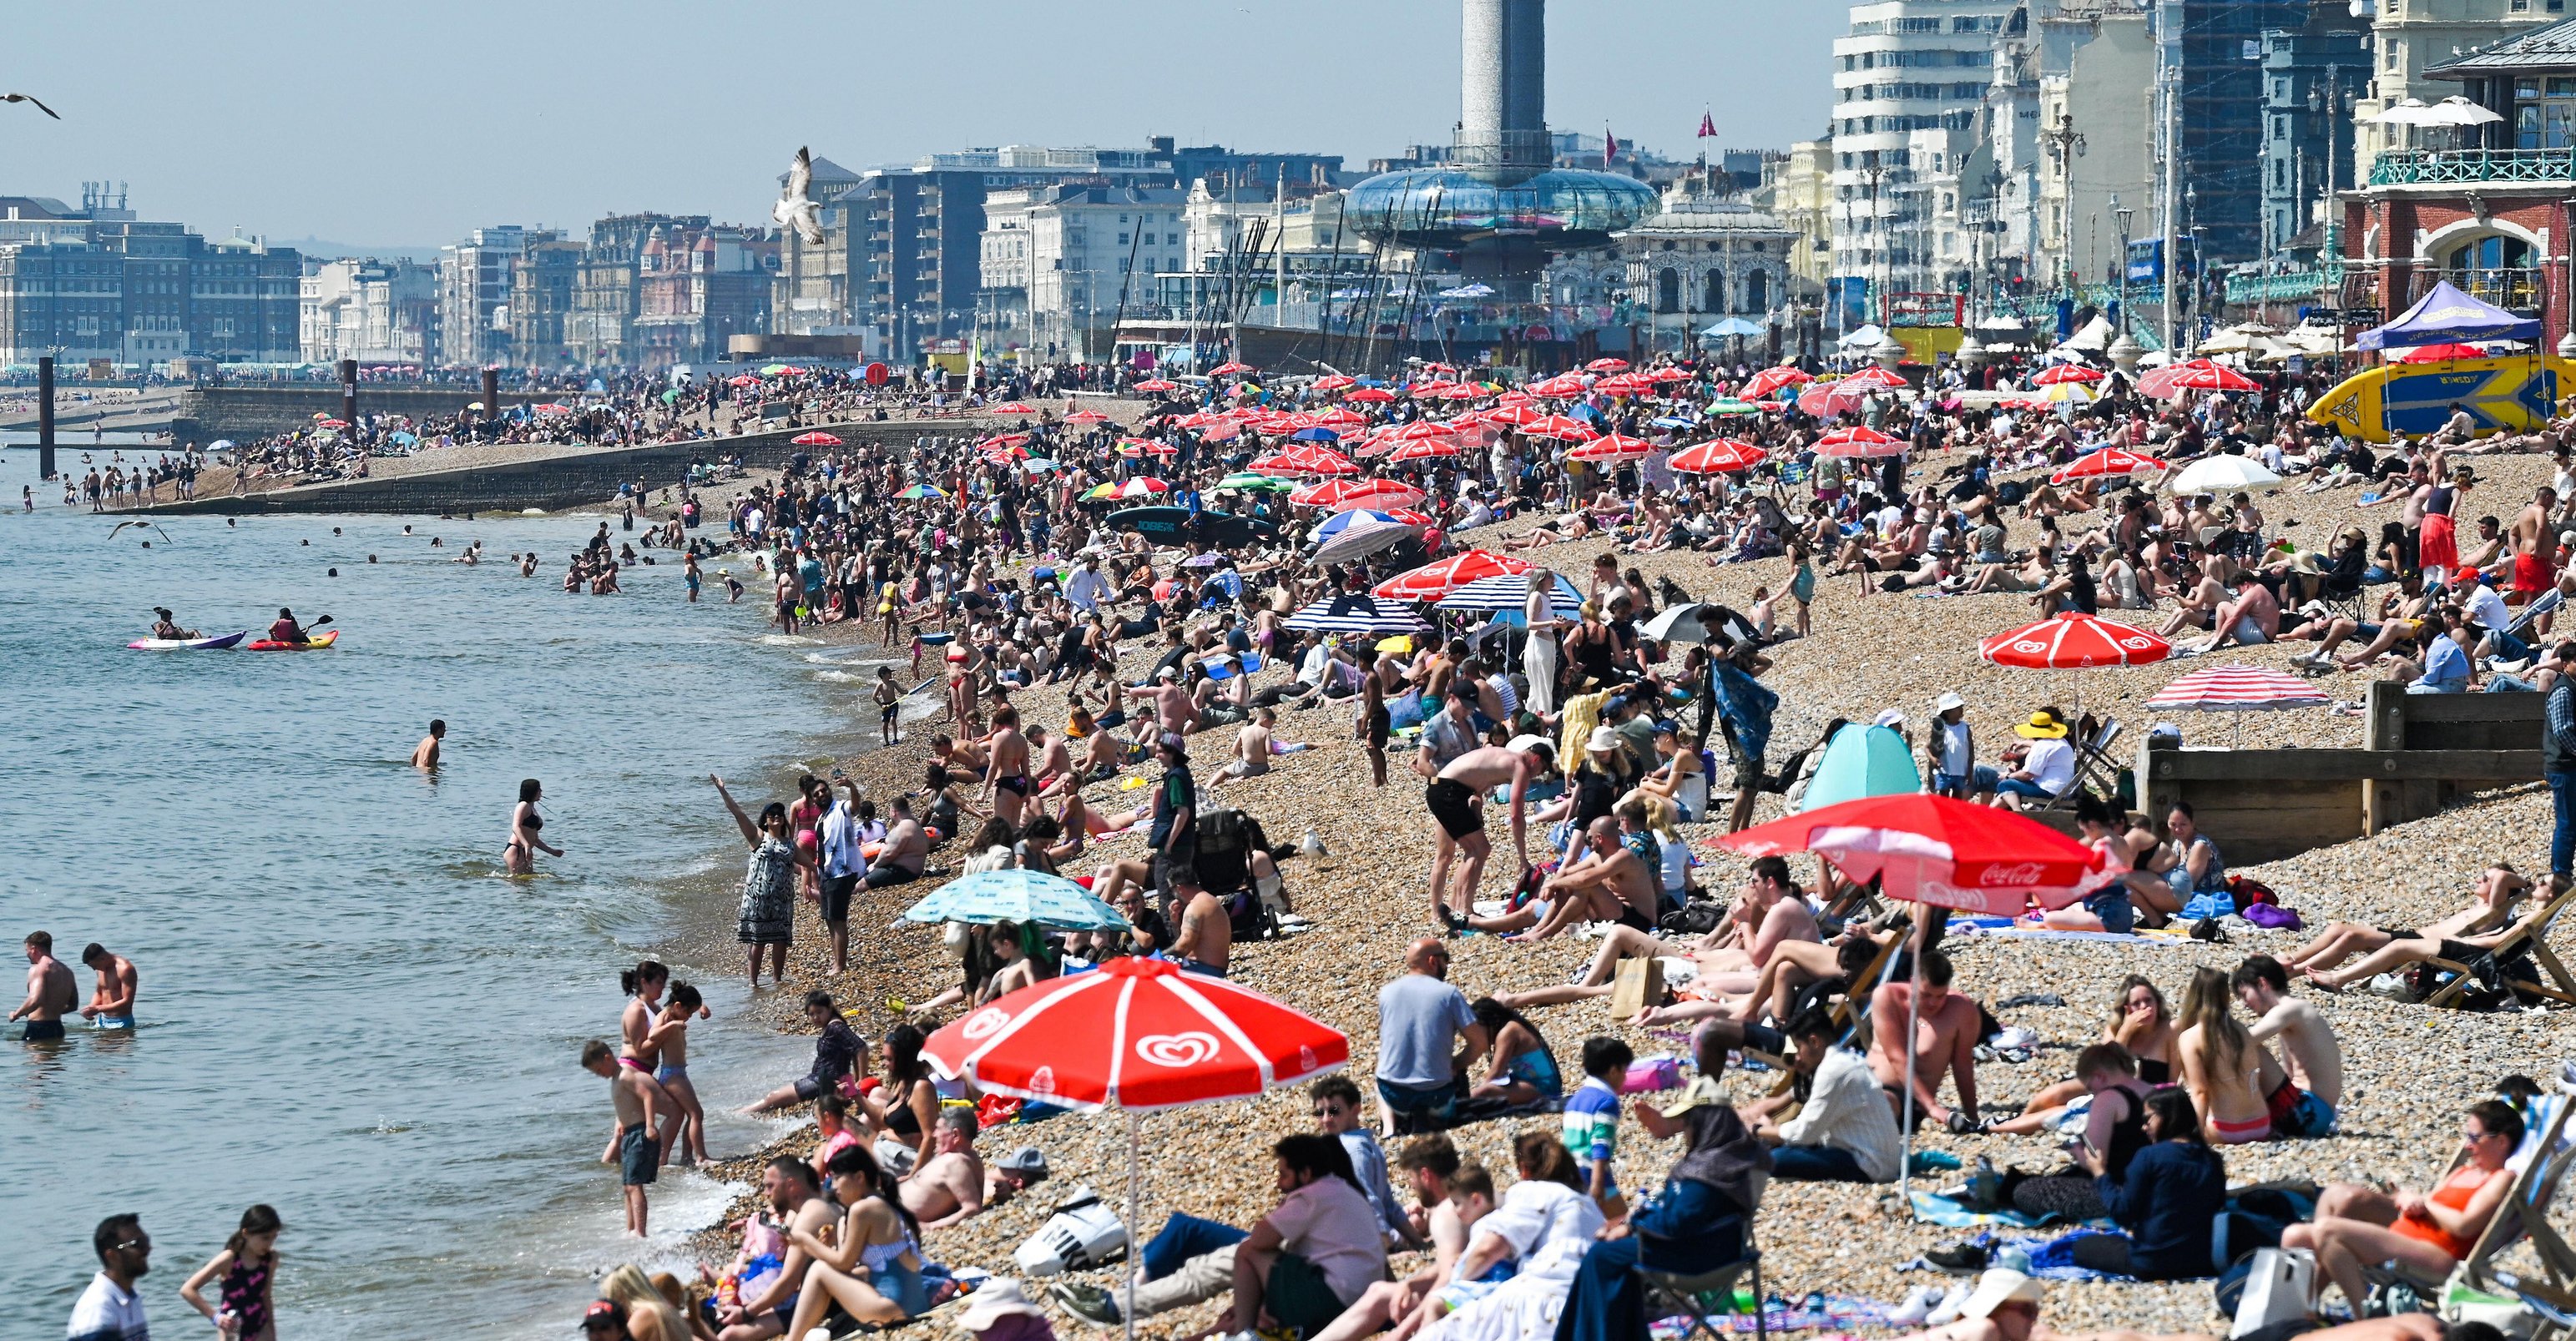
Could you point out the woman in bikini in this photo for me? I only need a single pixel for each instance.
(872, 1267)
(518, 856)
(2428, 1232)
(2219, 1064)
(687, 1135)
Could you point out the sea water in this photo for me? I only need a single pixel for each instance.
(346, 1011)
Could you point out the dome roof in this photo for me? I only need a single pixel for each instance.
(1696, 214)
(1444, 206)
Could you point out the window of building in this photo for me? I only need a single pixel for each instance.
(1713, 295)
(1668, 290)
(1668, 246)
(1757, 289)
(2489, 254)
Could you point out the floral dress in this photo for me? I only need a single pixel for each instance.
(768, 915)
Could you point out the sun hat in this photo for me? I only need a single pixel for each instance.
(1605, 740)
(2306, 561)
(1889, 717)
(1999, 1287)
(1518, 744)
(2043, 725)
(998, 1298)
(1949, 699)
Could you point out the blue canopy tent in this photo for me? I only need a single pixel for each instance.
(1735, 326)
(2447, 316)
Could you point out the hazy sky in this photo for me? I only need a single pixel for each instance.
(407, 124)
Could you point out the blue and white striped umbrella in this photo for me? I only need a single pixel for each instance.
(1342, 521)
(986, 897)
(1361, 613)
(1510, 591)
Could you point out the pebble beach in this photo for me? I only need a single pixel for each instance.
(2410, 1071)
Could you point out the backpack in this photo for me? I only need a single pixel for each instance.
(2249, 891)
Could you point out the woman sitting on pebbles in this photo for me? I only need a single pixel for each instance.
(2142, 1025)
(2220, 1061)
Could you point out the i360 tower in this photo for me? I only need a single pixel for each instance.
(1498, 204)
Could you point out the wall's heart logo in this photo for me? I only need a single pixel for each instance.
(984, 1022)
(1177, 1051)
(1042, 1081)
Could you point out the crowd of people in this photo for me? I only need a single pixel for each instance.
(1160, 573)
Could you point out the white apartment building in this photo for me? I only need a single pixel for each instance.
(1059, 263)
(368, 310)
(1911, 82)
(2413, 36)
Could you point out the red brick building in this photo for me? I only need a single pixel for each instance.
(2494, 216)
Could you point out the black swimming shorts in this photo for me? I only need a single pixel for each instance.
(1017, 786)
(1453, 803)
(44, 1031)
(836, 896)
(881, 876)
(1629, 917)
(639, 1156)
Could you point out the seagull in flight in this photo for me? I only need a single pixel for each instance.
(795, 209)
(24, 97)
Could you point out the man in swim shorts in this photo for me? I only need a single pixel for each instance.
(639, 1155)
(2535, 546)
(111, 1003)
(50, 991)
(1452, 798)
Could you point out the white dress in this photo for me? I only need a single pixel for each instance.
(1538, 658)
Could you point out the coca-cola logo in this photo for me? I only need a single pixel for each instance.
(984, 1023)
(1177, 1051)
(2005, 877)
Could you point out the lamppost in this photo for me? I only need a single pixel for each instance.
(2065, 145)
(2124, 349)
(1876, 172)
(2329, 103)
(2191, 216)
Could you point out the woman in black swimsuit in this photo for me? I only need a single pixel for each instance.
(518, 856)
(906, 1107)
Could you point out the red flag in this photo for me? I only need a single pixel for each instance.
(1609, 146)
(1707, 125)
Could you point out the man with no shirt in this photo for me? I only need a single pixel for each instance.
(1626, 887)
(424, 756)
(1452, 798)
(2303, 1084)
(949, 1186)
(2535, 548)
(1006, 774)
(1205, 941)
(51, 991)
(111, 1003)
(1945, 1038)
(795, 1202)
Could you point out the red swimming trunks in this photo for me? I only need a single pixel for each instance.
(2530, 576)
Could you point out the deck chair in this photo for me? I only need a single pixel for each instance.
(1851, 1014)
(2528, 936)
(2545, 603)
(1674, 1295)
(2095, 770)
(2540, 1163)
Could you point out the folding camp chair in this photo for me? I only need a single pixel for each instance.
(1851, 1014)
(1671, 1294)
(2528, 936)
(2095, 770)
(2545, 603)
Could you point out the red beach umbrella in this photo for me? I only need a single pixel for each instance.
(2108, 462)
(1086, 417)
(1157, 385)
(2071, 641)
(2067, 372)
(817, 438)
(1718, 457)
(1334, 382)
(1306, 458)
(2237, 689)
(1932, 849)
(1423, 428)
(1519, 415)
(1875, 376)
(1562, 428)
(1770, 380)
(1010, 407)
(1230, 369)
(1615, 448)
(1424, 449)
(1359, 493)
(1859, 442)
(2195, 375)
(2441, 354)
(1437, 580)
(1606, 365)
(1370, 395)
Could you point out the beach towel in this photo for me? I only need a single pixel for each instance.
(1950, 1213)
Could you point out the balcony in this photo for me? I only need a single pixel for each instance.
(2435, 167)
(2517, 289)
(2294, 286)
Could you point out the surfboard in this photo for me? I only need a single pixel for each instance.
(2511, 393)
(1174, 526)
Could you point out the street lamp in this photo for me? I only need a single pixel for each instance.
(2124, 349)
(2330, 104)
(2065, 145)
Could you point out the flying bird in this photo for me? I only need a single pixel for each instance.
(22, 97)
(795, 209)
(119, 528)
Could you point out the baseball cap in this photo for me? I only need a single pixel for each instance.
(604, 1311)
(1028, 1160)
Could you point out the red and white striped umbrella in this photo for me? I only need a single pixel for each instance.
(1770, 380)
(1611, 450)
(1306, 459)
(1422, 428)
(1439, 579)
(2066, 372)
(2108, 462)
(2195, 375)
(2071, 641)
(817, 438)
(1518, 415)
(1157, 385)
(1424, 449)
(1718, 457)
(1859, 441)
(2238, 689)
(1875, 376)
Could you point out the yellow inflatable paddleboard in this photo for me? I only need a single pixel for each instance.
(2510, 393)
